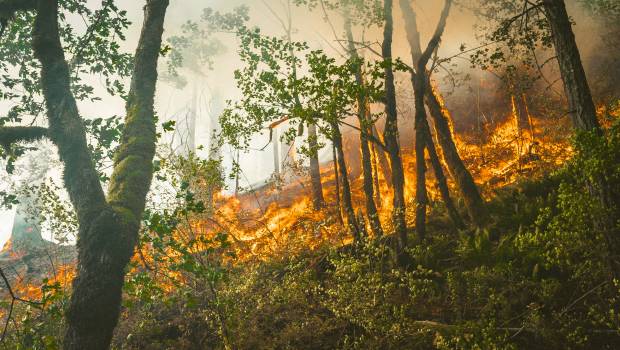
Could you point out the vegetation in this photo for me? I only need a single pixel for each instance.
(513, 243)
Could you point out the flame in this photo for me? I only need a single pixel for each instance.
(287, 223)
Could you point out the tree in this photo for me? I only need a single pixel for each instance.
(274, 90)
(365, 131)
(423, 135)
(583, 115)
(465, 182)
(390, 135)
(108, 224)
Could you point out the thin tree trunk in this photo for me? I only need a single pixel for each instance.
(391, 140)
(383, 161)
(371, 207)
(108, 229)
(375, 175)
(423, 133)
(337, 180)
(318, 201)
(347, 202)
(421, 196)
(442, 182)
(465, 182)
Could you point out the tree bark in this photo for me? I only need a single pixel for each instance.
(465, 182)
(382, 158)
(318, 201)
(337, 184)
(108, 229)
(391, 139)
(347, 202)
(369, 188)
(581, 106)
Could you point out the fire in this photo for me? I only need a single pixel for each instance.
(287, 223)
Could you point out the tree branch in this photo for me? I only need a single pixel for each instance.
(13, 134)
(66, 127)
(434, 42)
(133, 165)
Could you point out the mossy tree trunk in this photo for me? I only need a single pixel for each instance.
(108, 227)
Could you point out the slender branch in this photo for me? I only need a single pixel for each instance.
(14, 298)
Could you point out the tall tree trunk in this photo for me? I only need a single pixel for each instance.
(391, 139)
(581, 106)
(365, 130)
(421, 196)
(465, 182)
(583, 115)
(108, 229)
(337, 184)
(423, 133)
(375, 175)
(347, 202)
(318, 201)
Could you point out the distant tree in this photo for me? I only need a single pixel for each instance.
(108, 224)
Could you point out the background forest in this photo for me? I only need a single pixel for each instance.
(310, 174)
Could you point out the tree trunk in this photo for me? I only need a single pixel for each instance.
(464, 181)
(337, 184)
(375, 175)
(318, 201)
(108, 229)
(421, 196)
(391, 140)
(347, 202)
(581, 106)
(423, 133)
(382, 158)
(442, 182)
(365, 130)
